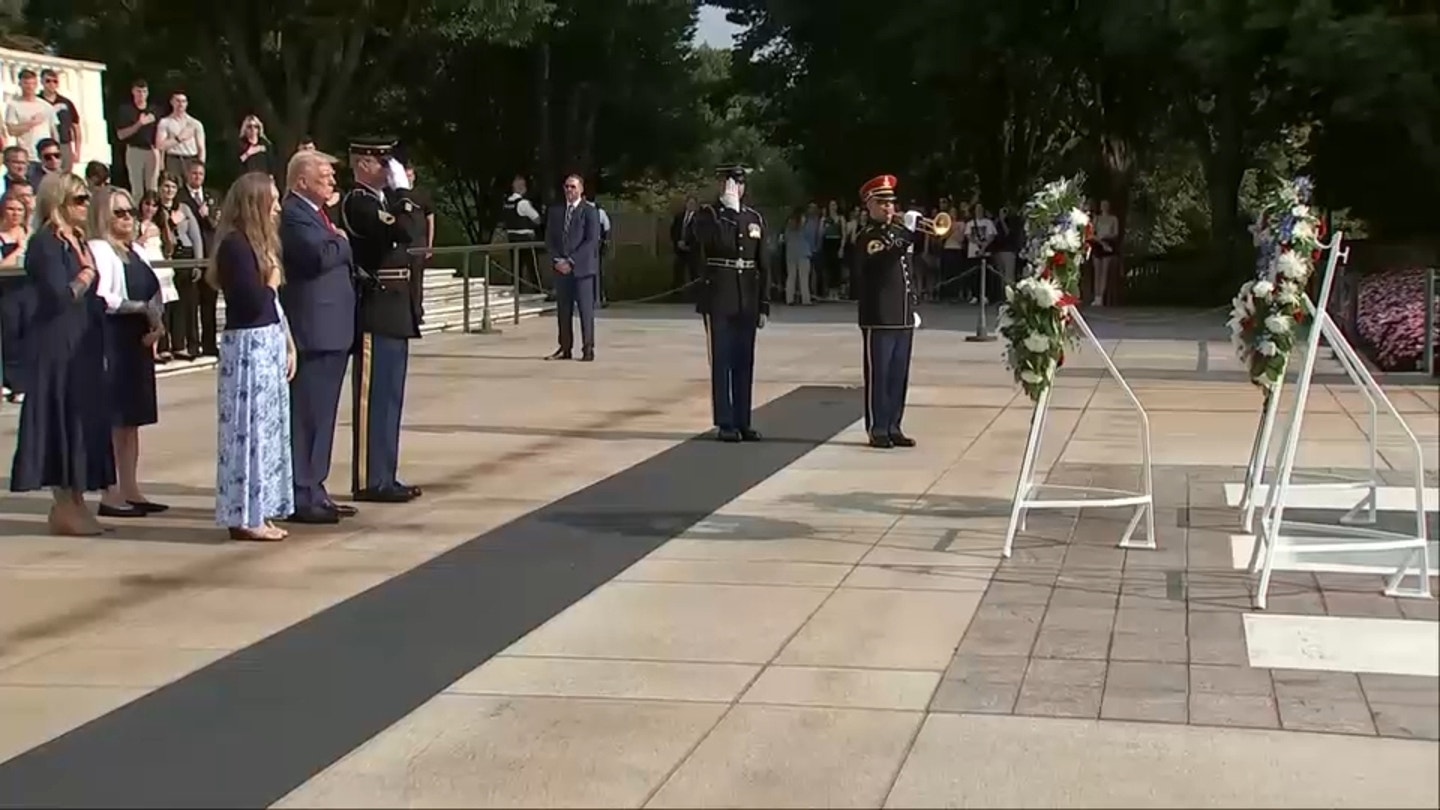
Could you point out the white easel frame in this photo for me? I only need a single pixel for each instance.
(1265, 433)
(1026, 486)
(1349, 537)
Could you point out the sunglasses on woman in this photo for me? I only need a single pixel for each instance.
(123, 213)
(80, 199)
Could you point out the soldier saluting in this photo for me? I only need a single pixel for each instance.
(886, 295)
(377, 214)
(733, 299)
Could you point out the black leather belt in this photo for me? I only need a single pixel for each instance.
(393, 274)
(733, 264)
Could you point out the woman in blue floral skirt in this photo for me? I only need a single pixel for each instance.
(253, 472)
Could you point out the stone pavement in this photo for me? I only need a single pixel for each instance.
(590, 609)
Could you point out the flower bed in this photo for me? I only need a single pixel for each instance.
(1391, 317)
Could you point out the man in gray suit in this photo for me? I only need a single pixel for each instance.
(572, 236)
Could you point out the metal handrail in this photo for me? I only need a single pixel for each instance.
(465, 252)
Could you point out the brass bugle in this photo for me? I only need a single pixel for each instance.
(938, 225)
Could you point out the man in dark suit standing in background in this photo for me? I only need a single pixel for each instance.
(205, 207)
(319, 301)
(572, 237)
(679, 231)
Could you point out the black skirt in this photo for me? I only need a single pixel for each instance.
(130, 371)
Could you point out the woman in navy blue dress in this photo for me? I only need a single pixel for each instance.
(131, 293)
(64, 433)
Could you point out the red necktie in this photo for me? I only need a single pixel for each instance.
(325, 215)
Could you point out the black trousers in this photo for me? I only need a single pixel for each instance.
(887, 378)
(730, 344)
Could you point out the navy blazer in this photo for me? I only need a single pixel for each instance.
(319, 292)
(581, 244)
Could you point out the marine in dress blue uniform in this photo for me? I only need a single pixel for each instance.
(377, 215)
(733, 299)
(885, 287)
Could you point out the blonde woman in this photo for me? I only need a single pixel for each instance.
(64, 436)
(255, 147)
(254, 478)
(131, 293)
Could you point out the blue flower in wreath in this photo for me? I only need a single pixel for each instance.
(1304, 188)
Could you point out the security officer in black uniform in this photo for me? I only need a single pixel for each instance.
(733, 296)
(885, 288)
(377, 215)
(521, 220)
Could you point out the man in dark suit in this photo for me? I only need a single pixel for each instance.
(319, 301)
(679, 229)
(727, 240)
(380, 215)
(205, 207)
(573, 238)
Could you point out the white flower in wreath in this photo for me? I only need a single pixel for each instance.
(1045, 293)
(1030, 376)
(1304, 231)
(1289, 265)
(1289, 294)
(1073, 240)
(1262, 288)
(1300, 212)
(1079, 218)
(1266, 347)
(1037, 343)
(1277, 325)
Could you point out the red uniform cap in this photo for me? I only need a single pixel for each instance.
(882, 187)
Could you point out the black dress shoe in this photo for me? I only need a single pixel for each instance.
(588, 356)
(108, 511)
(728, 435)
(384, 495)
(746, 434)
(344, 510)
(562, 354)
(901, 440)
(149, 507)
(414, 491)
(881, 442)
(314, 516)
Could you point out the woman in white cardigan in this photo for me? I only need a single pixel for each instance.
(131, 292)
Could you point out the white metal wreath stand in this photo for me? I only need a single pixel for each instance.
(1340, 538)
(1365, 510)
(1026, 486)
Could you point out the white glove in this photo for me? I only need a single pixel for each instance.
(398, 180)
(917, 319)
(764, 319)
(911, 218)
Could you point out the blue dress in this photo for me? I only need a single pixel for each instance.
(131, 364)
(64, 431)
(254, 476)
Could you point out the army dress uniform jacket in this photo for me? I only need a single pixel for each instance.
(380, 228)
(727, 254)
(884, 276)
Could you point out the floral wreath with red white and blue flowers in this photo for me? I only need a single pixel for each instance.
(1267, 311)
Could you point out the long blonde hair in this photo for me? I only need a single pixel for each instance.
(104, 219)
(249, 210)
(52, 201)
